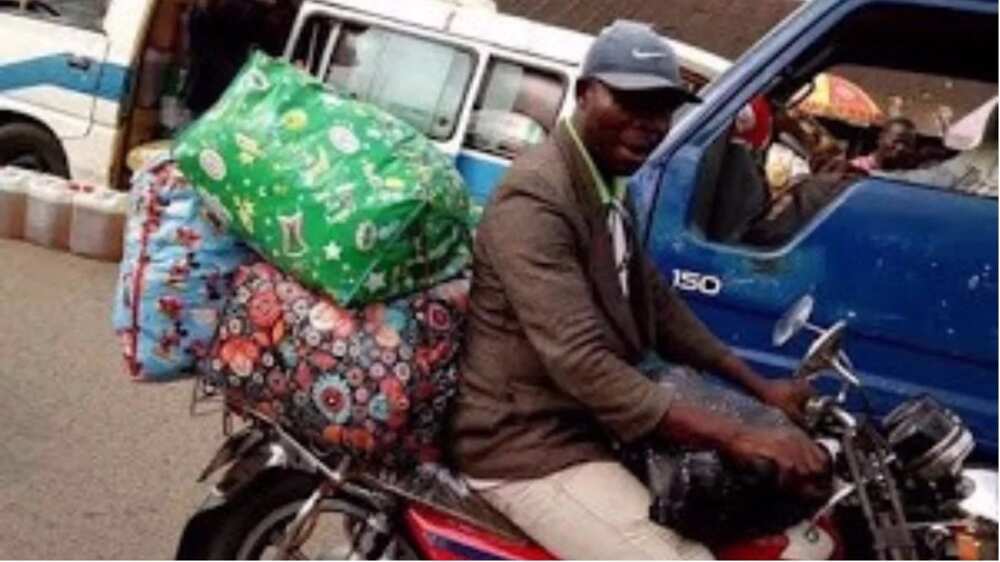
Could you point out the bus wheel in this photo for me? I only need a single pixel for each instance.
(29, 146)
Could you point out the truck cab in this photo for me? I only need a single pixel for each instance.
(906, 254)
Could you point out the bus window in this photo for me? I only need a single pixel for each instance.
(84, 14)
(311, 44)
(516, 108)
(419, 80)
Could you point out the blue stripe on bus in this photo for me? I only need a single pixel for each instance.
(481, 175)
(104, 80)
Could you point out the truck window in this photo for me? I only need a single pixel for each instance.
(792, 150)
(517, 107)
(421, 81)
(85, 14)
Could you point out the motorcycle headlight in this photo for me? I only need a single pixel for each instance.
(928, 439)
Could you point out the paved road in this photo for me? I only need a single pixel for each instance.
(91, 464)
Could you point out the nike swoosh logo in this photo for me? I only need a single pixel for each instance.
(644, 55)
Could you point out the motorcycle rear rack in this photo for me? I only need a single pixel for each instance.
(356, 478)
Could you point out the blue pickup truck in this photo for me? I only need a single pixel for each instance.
(907, 256)
(912, 266)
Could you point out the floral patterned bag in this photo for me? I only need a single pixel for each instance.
(174, 276)
(374, 381)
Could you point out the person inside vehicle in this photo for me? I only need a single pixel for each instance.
(753, 126)
(971, 171)
(896, 148)
(802, 146)
(564, 312)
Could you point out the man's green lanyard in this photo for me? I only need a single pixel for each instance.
(602, 187)
(618, 216)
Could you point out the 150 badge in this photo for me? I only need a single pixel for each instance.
(692, 281)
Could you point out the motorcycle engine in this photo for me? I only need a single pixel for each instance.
(930, 441)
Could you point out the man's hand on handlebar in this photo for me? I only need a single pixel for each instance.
(798, 459)
(789, 396)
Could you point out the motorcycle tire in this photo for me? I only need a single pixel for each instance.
(250, 524)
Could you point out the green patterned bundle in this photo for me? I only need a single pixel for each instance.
(345, 197)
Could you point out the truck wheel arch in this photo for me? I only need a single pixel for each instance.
(21, 134)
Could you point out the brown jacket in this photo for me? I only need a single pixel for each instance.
(548, 362)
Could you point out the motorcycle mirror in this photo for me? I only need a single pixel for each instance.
(794, 319)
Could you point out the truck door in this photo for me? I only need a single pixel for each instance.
(52, 62)
(911, 265)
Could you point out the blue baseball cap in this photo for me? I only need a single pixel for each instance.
(629, 55)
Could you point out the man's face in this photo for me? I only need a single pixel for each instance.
(896, 145)
(621, 128)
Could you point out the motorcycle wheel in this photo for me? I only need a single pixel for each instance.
(252, 526)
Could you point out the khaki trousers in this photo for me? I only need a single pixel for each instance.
(594, 510)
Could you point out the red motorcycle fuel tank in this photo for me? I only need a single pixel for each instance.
(439, 536)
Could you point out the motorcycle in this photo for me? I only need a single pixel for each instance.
(900, 490)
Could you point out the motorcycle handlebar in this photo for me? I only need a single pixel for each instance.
(819, 406)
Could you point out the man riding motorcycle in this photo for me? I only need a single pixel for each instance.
(564, 311)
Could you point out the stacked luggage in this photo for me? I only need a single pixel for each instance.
(307, 254)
